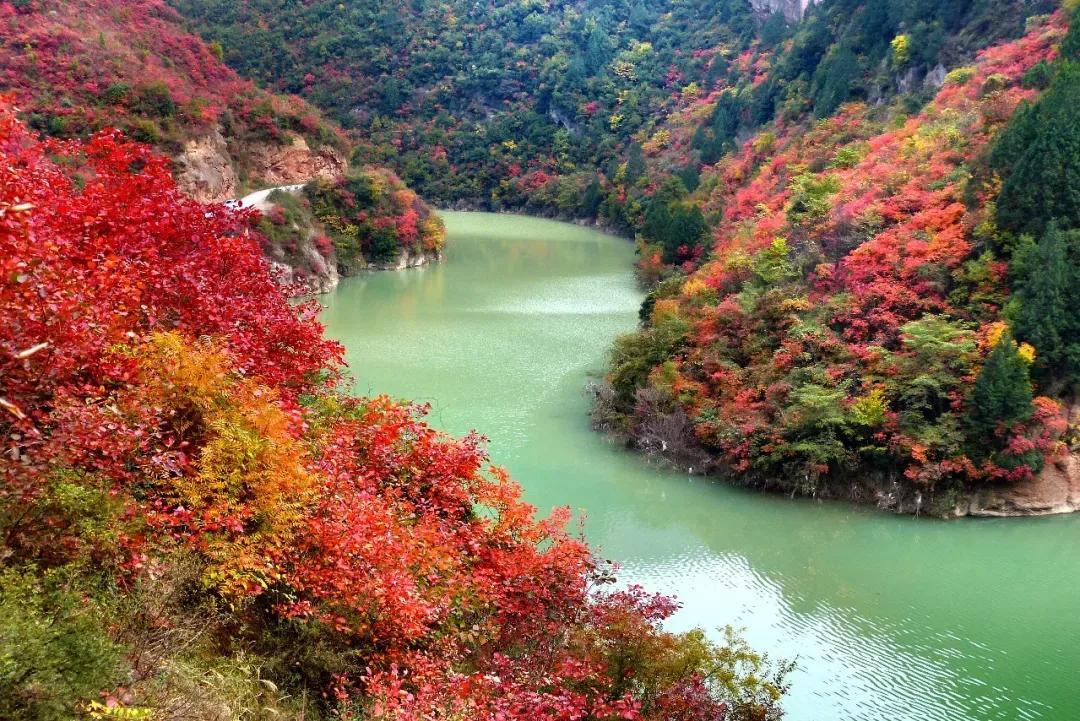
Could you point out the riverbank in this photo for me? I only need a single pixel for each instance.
(668, 438)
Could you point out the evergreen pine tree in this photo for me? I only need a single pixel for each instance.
(1040, 151)
(594, 195)
(688, 228)
(1044, 308)
(1002, 392)
(635, 163)
(833, 79)
(597, 50)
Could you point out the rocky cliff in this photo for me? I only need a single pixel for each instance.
(211, 168)
(205, 170)
(1055, 490)
(793, 10)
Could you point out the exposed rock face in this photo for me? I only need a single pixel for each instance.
(321, 278)
(296, 163)
(1055, 490)
(205, 170)
(408, 260)
(793, 10)
(936, 77)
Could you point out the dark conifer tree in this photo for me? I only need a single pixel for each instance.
(1044, 310)
(1002, 393)
(1040, 151)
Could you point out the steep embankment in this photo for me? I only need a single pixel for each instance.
(75, 68)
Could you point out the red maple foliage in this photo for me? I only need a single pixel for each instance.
(144, 346)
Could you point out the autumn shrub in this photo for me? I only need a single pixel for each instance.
(371, 217)
(840, 324)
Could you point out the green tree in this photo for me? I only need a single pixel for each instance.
(635, 163)
(1002, 391)
(688, 230)
(1040, 152)
(1046, 276)
(54, 652)
(597, 50)
(594, 195)
(833, 79)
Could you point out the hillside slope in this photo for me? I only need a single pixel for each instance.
(847, 327)
(196, 523)
(76, 67)
(815, 192)
(537, 104)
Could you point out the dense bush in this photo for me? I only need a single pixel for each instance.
(372, 218)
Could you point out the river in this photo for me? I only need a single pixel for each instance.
(888, 618)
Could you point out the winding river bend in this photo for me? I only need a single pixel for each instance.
(889, 618)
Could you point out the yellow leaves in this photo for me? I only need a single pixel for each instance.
(764, 143)
(795, 305)
(623, 69)
(691, 91)
(869, 410)
(658, 141)
(665, 309)
(432, 232)
(901, 50)
(509, 145)
(615, 120)
(960, 76)
(992, 336)
(693, 288)
(1026, 352)
(250, 474)
(994, 333)
(97, 710)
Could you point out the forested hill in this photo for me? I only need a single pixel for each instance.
(487, 102)
(75, 68)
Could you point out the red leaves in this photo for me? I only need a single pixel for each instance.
(145, 346)
(887, 216)
(87, 269)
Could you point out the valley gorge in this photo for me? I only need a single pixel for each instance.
(687, 360)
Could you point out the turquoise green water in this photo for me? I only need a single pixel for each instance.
(889, 618)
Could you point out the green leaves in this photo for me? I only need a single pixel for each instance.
(54, 653)
(1044, 308)
(1039, 154)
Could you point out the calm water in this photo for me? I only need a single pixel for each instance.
(889, 618)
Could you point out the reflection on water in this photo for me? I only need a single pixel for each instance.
(889, 618)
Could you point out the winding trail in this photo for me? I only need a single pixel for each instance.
(258, 199)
